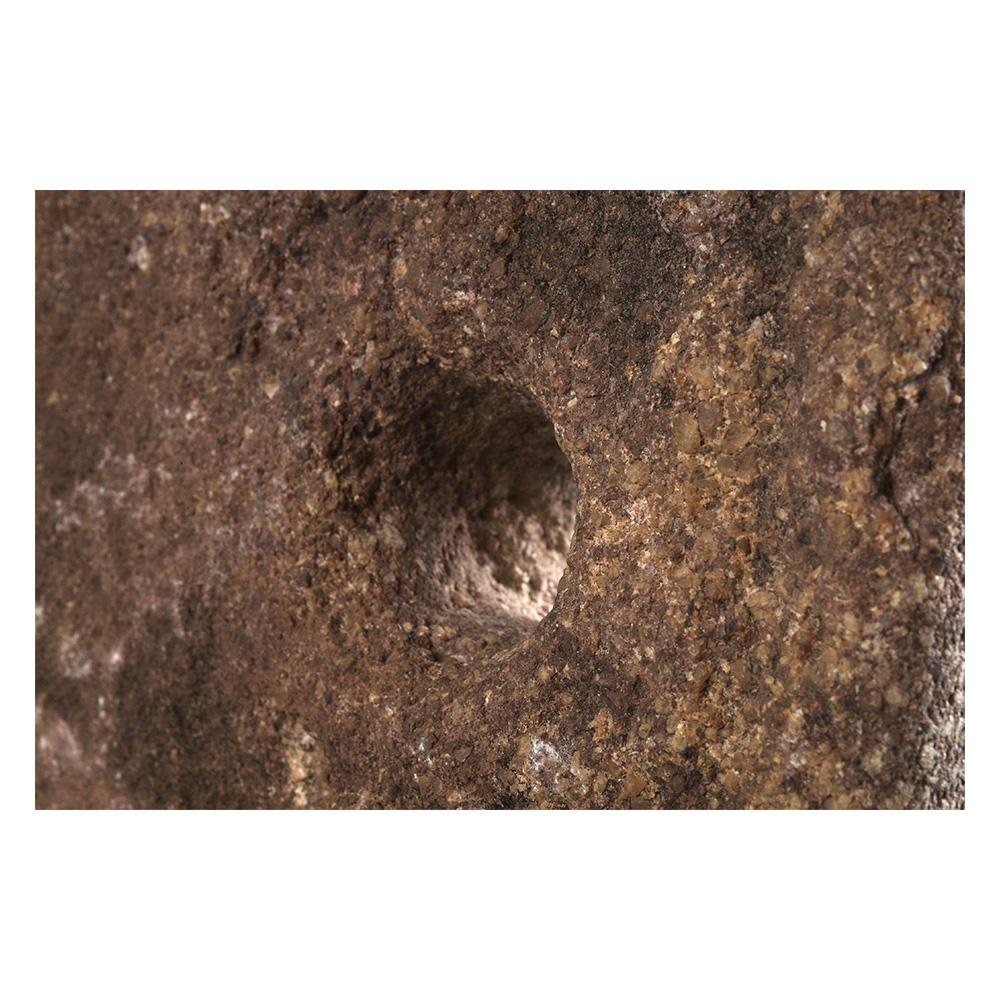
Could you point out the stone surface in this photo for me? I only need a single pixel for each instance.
(309, 468)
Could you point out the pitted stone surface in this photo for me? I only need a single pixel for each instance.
(310, 468)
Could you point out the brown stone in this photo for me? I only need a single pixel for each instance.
(499, 500)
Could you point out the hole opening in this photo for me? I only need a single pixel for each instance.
(477, 504)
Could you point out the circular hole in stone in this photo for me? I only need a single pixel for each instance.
(476, 506)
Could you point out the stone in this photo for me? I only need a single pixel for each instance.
(499, 500)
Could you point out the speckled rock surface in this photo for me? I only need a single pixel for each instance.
(310, 466)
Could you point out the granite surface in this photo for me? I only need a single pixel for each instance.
(500, 500)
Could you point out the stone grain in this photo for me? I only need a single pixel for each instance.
(309, 466)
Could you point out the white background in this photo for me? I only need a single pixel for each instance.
(480, 96)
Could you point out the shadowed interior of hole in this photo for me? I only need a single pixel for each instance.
(486, 512)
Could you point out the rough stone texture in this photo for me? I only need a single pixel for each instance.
(301, 500)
